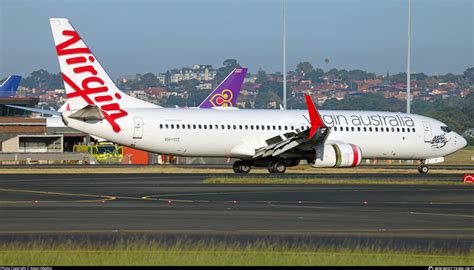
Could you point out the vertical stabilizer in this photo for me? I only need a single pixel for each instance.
(225, 95)
(9, 86)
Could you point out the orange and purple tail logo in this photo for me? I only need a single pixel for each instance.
(225, 95)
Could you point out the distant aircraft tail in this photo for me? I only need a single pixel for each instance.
(9, 86)
(225, 95)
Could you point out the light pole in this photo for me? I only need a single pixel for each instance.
(408, 56)
(284, 54)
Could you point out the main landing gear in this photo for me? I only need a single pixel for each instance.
(241, 166)
(277, 167)
(423, 169)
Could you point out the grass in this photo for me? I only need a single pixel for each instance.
(322, 181)
(216, 254)
(462, 157)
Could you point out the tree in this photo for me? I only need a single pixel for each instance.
(231, 63)
(303, 68)
(262, 76)
(222, 72)
(314, 75)
(469, 75)
(326, 61)
(148, 80)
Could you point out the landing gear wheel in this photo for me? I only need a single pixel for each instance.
(270, 167)
(423, 169)
(277, 167)
(241, 167)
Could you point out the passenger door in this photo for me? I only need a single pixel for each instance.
(138, 128)
(427, 131)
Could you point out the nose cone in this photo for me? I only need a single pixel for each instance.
(462, 142)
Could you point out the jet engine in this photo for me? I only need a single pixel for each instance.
(337, 154)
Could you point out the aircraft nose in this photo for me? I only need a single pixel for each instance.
(462, 142)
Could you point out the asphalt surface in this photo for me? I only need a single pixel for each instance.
(105, 207)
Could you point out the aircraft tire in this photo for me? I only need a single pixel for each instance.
(423, 169)
(278, 167)
(237, 165)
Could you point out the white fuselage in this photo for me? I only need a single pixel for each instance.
(238, 133)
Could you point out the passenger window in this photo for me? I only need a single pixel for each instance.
(166, 126)
(199, 126)
(365, 129)
(183, 126)
(274, 127)
(347, 128)
(172, 126)
(217, 126)
(210, 127)
(279, 127)
(413, 129)
(235, 127)
(246, 127)
(256, 127)
(251, 127)
(370, 129)
(393, 129)
(286, 127)
(292, 127)
(240, 126)
(387, 129)
(222, 126)
(335, 128)
(189, 126)
(194, 126)
(228, 127)
(358, 129)
(205, 126)
(177, 126)
(352, 128)
(161, 126)
(398, 129)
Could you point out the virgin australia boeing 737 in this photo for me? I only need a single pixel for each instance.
(275, 139)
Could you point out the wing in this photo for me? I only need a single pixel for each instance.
(299, 141)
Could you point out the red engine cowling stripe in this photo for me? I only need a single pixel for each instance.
(356, 155)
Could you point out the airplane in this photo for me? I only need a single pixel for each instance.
(9, 86)
(275, 139)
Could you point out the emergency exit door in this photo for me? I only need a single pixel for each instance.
(138, 128)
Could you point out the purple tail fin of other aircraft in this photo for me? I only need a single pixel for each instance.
(225, 95)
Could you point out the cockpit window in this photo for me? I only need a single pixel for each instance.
(446, 129)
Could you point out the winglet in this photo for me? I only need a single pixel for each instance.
(314, 117)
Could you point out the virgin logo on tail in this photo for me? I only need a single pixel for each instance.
(85, 90)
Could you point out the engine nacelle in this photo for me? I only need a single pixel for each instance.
(337, 154)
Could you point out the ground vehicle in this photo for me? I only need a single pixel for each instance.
(104, 152)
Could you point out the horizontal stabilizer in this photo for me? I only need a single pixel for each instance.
(88, 113)
(48, 112)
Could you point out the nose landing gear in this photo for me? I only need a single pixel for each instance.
(423, 169)
(241, 166)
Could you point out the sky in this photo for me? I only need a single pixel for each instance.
(139, 36)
